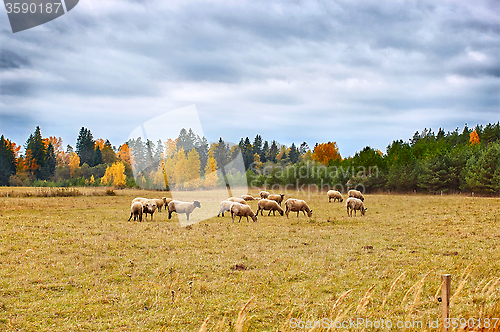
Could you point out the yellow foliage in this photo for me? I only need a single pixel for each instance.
(92, 180)
(193, 180)
(211, 173)
(115, 175)
(74, 164)
(180, 162)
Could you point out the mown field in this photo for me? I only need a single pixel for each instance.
(77, 264)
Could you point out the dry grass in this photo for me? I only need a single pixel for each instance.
(76, 264)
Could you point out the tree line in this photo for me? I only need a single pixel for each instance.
(466, 160)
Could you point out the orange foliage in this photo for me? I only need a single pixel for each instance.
(15, 148)
(170, 147)
(124, 153)
(325, 152)
(474, 138)
(99, 143)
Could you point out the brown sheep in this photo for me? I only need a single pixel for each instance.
(278, 198)
(242, 210)
(267, 204)
(353, 203)
(356, 194)
(264, 194)
(182, 207)
(297, 205)
(159, 203)
(136, 211)
(237, 200)
(224, 206)
(336, 195)
(248, 197)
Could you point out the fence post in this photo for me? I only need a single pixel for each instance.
(445, 300)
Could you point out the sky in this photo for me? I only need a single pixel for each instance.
(360, 73)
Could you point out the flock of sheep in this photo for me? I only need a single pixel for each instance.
(238, 207)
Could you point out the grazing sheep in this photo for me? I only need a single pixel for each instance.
(336, 195)
(224, 206)
(264, 194)
(242, 210)
(166, 201)
(277, 198)
(149, 206)
(136, 211)
(237, 200)
(248, 198)
(182, 207)
(140, 199)
(356, 194)
(353, 203)
(297, 205)
(267, 204)
(159, 203)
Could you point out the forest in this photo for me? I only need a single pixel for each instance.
(466, 160)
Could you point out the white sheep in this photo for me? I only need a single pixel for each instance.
(182, 207)
(353, 203)
(264, 194)
(149, 206)
(336, 195)
(276, 197)
(242, 210)
(356, 194)
(297, 205)
(136, 211)
(225, 206)
(237, 200)
(267, 204)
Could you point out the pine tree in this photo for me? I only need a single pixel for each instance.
(304, 147)
(257, 145)
(273, 152)
(293, 154)
(97, 157)
(85, 147)
(51, 160)
(202, 148)
(8, 161)
(265, 152)
(221, 153)
(35, 154)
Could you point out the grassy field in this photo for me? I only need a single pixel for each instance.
(77, 264)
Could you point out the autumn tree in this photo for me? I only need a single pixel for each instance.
(124, 153)
(180, 165)
(193, 170)
(326, 152)
(74, 165)
(474, 138)
(211, 173)
(115, 175)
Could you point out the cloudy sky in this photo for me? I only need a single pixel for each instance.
(355, 72)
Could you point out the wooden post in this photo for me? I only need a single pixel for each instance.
(445, 297)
